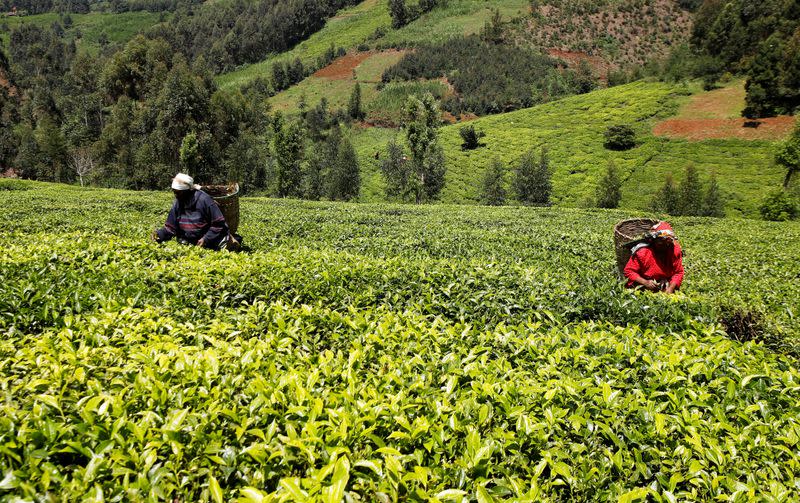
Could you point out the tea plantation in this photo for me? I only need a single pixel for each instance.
(384, 352)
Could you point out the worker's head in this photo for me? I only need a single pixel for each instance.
(662, 236)
(183, 187)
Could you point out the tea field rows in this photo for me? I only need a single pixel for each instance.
(384, 352)
(572, 131)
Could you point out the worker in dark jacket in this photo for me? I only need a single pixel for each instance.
(656, 263)
(194, 218)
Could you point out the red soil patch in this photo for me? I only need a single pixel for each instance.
(343, 67)
(12, 91)
(573, 59)
(773, 128)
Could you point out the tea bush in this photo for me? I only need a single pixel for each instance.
(384, 352)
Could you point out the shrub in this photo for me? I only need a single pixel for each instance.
(471, 137)
(778, 207)
(619, 137)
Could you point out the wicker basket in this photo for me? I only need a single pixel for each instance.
(627, 231)
(227, 198)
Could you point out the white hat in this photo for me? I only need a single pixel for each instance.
(182, 181)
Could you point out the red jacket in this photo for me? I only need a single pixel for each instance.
(664, 264)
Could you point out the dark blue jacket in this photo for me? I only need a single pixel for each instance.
(199, 219)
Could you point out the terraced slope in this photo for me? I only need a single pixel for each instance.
(379, 352)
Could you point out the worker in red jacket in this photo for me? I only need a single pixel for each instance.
(657, 262)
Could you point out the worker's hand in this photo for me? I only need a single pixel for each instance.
(154, 235)
(201, 243)
(670, 288)
(651, 284)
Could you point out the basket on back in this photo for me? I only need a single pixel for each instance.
(627, 231)
(227, 198)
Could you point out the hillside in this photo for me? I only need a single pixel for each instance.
(572, 130)
(357, 351)
(607, 34)
(87, 30)
(621, 33)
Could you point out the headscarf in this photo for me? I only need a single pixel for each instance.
(182, 181)
(662, 230)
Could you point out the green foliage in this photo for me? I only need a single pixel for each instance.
(346, 177)
(427, 159)
(396, 172)
(287, 147)
(779, 206)
(619, 137)
(572, 129)
(690, 199)
(763, 41)
(667, 199)
(788, 156)
(494, 185)
(399, 13)
(354, 108)
(713, 205)
(359, 349)
(609, 190)
(488, 77)
(471, 137)
(532, 179)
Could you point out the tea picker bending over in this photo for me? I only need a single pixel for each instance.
(195, 218)
(656, 261)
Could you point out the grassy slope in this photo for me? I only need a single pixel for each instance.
(572, 130)
(118, 27)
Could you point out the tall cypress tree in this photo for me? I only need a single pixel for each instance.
(494, 190)
(690, 201)
(713, 205)
(346, 179)
(532, 179)
(666, 200)
(609, 190)
(354, 109)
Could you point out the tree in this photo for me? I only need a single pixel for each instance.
(788, 156)
(82, 162)
(427, 157)
(494, 191)
(354, 109)
(712, 201)
(779, 206)
(609, 190)
(396, 170)
(398, 13)
(619, 137)
(346, 177)
(532, 179)
(471, 137)
(666, 200)
(493, 28)
(690, 199)
(287, 143)
(585, 79)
